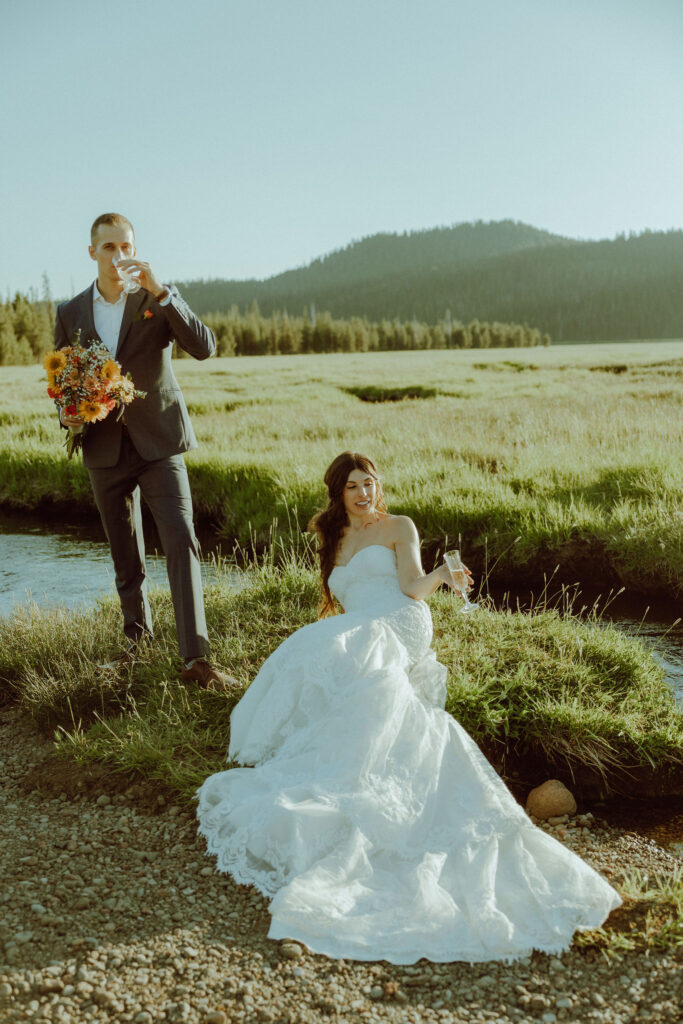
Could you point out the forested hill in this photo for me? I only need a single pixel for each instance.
(501, 271)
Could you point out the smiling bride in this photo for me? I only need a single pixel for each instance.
(364, 811)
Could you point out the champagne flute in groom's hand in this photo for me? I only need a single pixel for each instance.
(459, 577)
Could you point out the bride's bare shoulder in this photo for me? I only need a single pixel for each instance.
(400, 528)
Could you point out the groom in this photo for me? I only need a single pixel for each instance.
(144, 451)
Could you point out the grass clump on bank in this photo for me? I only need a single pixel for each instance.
(371, 393)
(543, 694)
(650, 917)
(584, 468)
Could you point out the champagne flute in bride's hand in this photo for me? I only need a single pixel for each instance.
(459, 577)
(130, 282)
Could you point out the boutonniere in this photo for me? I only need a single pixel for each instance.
(147, 315)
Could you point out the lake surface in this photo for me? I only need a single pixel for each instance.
(72, 568)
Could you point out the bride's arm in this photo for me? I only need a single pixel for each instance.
(411, 576)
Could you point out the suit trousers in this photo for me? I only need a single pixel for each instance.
(166, 489)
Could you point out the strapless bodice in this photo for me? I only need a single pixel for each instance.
(369, 580)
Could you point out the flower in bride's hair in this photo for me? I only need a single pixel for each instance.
(91, 411)
(54, 362)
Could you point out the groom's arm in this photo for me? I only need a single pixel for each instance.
(188, 330)
(61, 341)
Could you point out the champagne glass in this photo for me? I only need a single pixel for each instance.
(459, 577)
(130, 283)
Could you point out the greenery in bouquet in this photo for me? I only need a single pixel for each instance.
(84, 380)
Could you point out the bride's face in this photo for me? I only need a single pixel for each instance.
(360, 493)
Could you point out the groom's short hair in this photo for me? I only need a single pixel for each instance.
(115, 219)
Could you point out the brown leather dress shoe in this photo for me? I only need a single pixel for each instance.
(206, 675)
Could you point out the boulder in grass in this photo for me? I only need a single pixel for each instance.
(550, 800)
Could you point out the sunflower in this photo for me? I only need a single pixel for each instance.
(91, 411)
(110, 370)
(54, 362)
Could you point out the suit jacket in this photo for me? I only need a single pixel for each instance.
(159, 425)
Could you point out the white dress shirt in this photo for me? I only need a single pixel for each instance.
(108, 316)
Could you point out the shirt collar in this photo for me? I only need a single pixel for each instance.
(98, 297)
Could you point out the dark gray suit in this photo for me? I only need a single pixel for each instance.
(145, 455)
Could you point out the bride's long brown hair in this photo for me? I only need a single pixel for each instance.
(329, 524)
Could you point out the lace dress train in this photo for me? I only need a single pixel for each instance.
(368, 816)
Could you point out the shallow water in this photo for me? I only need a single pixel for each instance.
(65, 567)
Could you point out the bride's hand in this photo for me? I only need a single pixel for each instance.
(444, 573)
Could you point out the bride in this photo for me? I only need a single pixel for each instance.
(364, 812)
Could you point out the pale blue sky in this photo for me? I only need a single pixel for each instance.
(245, 137)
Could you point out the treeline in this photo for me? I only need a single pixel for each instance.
(26, 328)
(26, 333)
(253, 334)
(628, 287)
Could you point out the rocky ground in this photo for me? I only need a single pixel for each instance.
(109, 911)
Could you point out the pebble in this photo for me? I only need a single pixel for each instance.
(291, 950)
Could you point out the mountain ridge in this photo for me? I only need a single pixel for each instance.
(498, 270)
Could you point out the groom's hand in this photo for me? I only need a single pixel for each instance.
(72, 422)
(145, 275)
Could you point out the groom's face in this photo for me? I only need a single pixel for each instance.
(111, 242)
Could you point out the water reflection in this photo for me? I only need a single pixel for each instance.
(63, 569)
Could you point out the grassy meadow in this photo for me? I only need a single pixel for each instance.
(548, 460)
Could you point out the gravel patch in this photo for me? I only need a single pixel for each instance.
(110, 911)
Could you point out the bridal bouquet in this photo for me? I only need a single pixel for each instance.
(85, 381)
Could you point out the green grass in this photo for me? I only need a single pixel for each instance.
(650, 918)
(370, 393)
(566, 458)
(541, 693)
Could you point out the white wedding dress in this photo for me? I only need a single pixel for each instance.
(370, 818)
